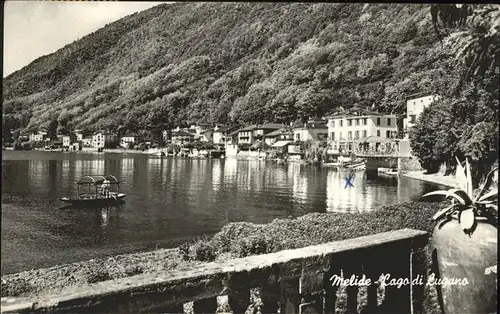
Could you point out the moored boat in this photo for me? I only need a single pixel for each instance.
(359, 167)
(332, 164)
(155, 152)
(391, 172)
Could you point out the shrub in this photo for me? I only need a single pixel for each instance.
(184, 251)
(98, 276)
(406, 33)
(225, 237)
(134, 270)
(254, 245)
(204, 252)
(244, 147)
(244, 239)
(16, 287)
(17, 145)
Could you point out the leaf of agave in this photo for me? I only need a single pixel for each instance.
(492, 206)
(460, 176)
(487, 183)
(447, 193)
(488, 195)
(469, 179)
(442, 212)
(467, 219)
(485, 202)
(462, 194)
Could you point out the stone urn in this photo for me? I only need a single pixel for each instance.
(463, 263)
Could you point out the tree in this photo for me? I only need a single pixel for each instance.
(244, 146)
(423, 138)
(52, 129)
(478, 47)
(9, 124)
(466, 122)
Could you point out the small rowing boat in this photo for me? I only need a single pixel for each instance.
(96, 190)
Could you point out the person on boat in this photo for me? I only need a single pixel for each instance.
(105, 188)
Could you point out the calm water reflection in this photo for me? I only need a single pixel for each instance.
(168, 201)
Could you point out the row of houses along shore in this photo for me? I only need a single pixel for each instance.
(341, 133)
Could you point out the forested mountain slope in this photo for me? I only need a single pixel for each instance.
(229, 62)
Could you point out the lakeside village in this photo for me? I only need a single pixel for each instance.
(341, 138)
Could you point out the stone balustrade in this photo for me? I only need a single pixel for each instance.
(290, 281)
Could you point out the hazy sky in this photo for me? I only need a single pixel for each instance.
(36, 28)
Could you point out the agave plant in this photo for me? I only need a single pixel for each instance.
(465, 205)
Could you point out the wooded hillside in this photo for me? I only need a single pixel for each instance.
(229, 62)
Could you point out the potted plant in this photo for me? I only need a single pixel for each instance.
(464, 246)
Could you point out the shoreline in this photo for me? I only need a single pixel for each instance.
(235, 240)
(436, 178)
(87, 150)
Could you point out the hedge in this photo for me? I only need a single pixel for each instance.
(242, 239)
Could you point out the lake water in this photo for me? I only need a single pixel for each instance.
(169, 201)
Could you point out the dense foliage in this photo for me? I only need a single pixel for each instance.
(242, 239)
(464, 122)
(229, 62)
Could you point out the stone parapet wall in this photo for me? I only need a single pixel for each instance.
(295, 281)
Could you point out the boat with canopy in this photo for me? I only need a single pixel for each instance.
(96, 190)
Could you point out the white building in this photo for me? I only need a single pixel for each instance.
(100, 139)
(66, 141)
(78, 135)
(165, 137)
(218, 136)
(414, 107)
(231, 150)
(125, 140)
(76, 146)
(250, 134)
(311, 131)
(37, 137)
(283, 134)
(344, 130)
(200, 128)
(181, 137)
(207, 136)
(87, 141)
(245, 135)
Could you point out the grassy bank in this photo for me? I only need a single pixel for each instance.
(234, 240)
